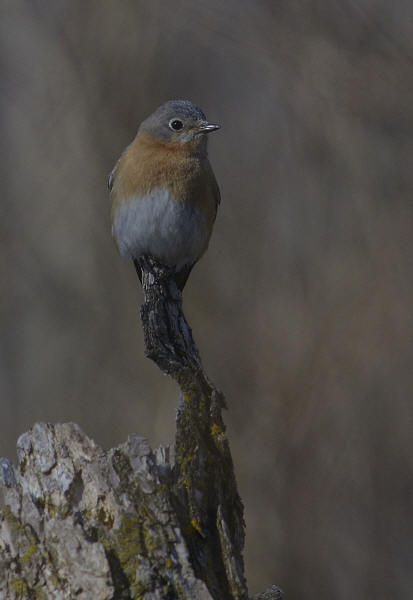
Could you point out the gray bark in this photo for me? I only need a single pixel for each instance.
(78, 522)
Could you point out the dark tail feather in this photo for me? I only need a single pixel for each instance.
(138, 268)
(181, 276)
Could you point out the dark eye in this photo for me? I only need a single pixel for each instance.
(176, 124)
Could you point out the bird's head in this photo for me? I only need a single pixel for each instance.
(179, 122)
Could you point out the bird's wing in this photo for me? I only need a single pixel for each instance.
(112, 174)
(216, 194)
(111, 179)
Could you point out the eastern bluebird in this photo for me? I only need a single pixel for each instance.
(163, 190)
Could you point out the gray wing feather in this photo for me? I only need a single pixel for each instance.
(111, 178)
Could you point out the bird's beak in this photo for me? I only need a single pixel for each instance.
(208, 127)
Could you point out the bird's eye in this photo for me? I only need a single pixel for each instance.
(176, 124)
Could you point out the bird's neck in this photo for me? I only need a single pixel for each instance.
(196, 148)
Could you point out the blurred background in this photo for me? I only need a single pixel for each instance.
(302, 307)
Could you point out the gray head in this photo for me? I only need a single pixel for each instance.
(178, 121)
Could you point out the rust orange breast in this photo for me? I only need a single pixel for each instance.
(150, 163)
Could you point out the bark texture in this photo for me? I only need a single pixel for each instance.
(78, 522)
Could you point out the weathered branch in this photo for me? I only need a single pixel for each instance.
(207, 501)
(78, 522)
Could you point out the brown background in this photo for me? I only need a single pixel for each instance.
(302, 307)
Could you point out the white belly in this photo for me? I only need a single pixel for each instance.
(156, 224)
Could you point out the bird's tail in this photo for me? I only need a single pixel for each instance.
(181, 276)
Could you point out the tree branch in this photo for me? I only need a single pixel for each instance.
(204, 481)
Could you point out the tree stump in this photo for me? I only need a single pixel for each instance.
(78, 522)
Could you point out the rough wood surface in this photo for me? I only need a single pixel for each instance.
(78, 522)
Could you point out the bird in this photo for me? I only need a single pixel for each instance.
(163, 191)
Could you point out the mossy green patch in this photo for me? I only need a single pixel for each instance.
(12, 520)
(26, 541)
(105, 518)
(20, 587)
(40, 594)
(30, 552)
(196, 526)
(151, 541)
(129, 537)
(216, 429)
